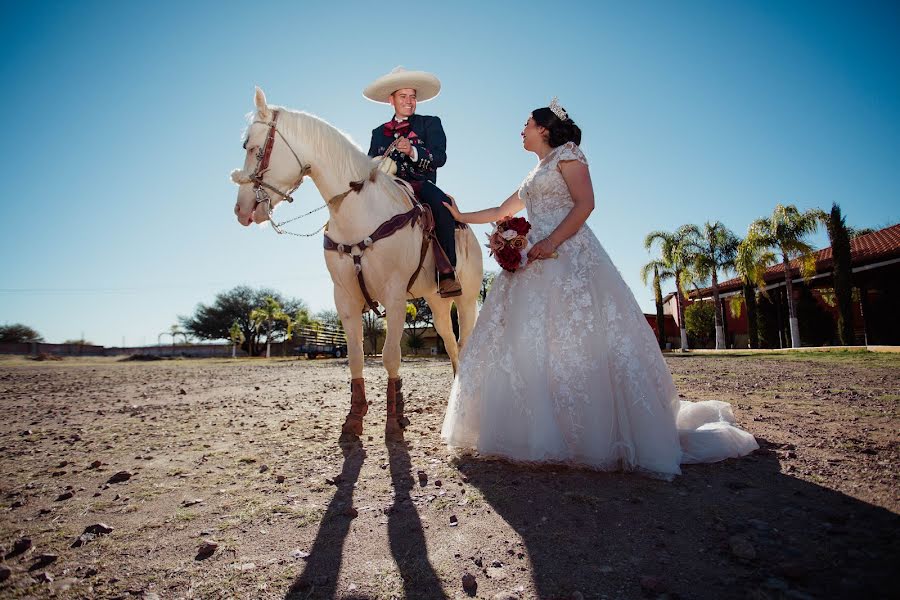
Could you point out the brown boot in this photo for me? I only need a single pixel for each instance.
(396, 422)
(449, 288)
(353, 424)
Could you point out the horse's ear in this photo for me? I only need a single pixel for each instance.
(259, 98)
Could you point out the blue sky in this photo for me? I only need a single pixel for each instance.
(123, 120)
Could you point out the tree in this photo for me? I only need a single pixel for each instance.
(839, 236)
(675, 256)
(418, 319)
(487, 280)
(700, 321)
(750, 263)
(329, 318)
(373, 326)
(18, 334)
(214, 321)
(237, 338)
(713, 248)
(660, 274)
(785, 232)
(267, 315)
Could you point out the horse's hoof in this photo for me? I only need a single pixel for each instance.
(348, 438)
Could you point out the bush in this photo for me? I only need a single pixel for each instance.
(700, 322)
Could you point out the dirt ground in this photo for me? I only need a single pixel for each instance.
(243, 454)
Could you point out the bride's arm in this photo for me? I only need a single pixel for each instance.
(578, 180)
(510, 206)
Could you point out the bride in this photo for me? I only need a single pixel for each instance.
(562, 366)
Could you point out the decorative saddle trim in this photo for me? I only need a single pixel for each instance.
(420, 214)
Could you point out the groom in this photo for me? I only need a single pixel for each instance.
(420, 148)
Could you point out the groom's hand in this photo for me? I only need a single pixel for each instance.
(404, 146)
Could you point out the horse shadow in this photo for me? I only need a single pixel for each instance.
(320, 575)
(406, 536)
(737, 529)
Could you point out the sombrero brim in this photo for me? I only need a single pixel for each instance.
(427, 86)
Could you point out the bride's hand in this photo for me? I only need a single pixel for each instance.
(451, 206)
(543, 249)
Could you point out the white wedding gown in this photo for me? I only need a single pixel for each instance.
(562, 366)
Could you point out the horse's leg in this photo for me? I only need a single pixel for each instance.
(467, 310)
(444, 327)
(395, 312)
(351, 319)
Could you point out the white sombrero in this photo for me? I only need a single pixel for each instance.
(427, 86)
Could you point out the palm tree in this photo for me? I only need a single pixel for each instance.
(237, 337)
(839, 236)
(785, 232)
(675, 257)
(660, 274)
(750, 263)
(713, 248)
(267, 315)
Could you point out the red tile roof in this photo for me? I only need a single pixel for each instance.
(874, 247)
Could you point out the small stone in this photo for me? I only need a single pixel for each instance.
(248, 567)
(150, 596)
(263, 468)
(5, 572)
(351, 512)
(19, 546)
(299, 554)
(279, 479)
(453, 521)
(120, 477)
(44, 577)
(741, 547)
(649, 583)
(95, 465)
(193, 502)
(576, 595)
(423, 478)
(505, 596)
(438, 483)
(98, 529)
(470, 585)
(43, 560)
(205, 550)
(181, 392)
(64, 496)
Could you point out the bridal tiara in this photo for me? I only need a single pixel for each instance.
(558, 110)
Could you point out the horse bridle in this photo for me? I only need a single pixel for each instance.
(262, 165)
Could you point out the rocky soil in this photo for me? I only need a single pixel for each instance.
(218, 478)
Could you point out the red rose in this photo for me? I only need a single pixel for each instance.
(518, 224)
(509, 258)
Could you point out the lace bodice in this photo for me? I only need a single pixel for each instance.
(544, 191)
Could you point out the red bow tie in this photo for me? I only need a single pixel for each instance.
(396, 128)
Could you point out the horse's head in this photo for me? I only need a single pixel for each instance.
(272, 168)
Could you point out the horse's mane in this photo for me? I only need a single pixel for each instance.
(339, 149)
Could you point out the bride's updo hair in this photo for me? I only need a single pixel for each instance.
(560, 131)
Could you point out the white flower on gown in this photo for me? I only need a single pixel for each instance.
(562, 366)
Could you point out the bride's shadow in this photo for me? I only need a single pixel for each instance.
(723, 530)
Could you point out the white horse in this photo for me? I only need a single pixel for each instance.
(283, 147)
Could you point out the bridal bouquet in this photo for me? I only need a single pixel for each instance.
(508, 243)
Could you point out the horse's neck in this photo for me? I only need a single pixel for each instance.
(335, 166)
(355, 217)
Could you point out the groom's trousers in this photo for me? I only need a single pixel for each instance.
(444, 224)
